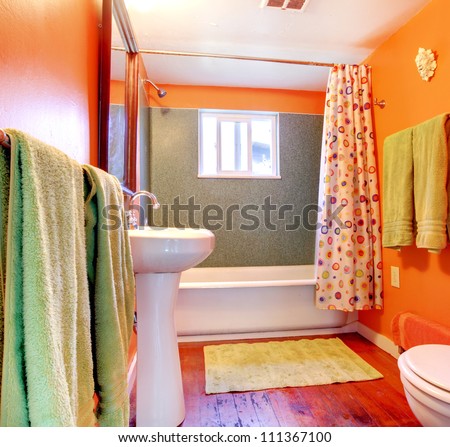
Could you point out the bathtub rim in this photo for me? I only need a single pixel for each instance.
(244, 284)
(307, 279)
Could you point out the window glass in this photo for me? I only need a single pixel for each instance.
(209, 139)
(238, 144)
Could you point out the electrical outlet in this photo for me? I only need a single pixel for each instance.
(395, 276)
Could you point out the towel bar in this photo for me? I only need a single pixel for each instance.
(4, 139)
(381, 103)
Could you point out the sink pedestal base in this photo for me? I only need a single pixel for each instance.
(159, 392)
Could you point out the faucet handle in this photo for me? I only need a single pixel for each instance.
(131, 220)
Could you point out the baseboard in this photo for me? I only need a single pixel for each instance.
(383, 342)
(351, 327)
(377, 339)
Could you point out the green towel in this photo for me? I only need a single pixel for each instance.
(398, 185)
(430, 182)
(111, 278)
(47, 363)
(4, 199)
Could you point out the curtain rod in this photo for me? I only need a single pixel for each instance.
(229, 56)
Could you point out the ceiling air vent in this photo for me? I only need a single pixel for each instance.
(285, 4)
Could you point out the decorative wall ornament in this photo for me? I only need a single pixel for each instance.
(426, 63)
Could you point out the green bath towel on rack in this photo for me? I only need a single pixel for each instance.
(111, 281)
(47, 375)
(4, 198)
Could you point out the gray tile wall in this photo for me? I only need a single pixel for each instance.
(279, 236)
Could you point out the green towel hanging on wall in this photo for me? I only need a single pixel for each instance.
(47, 377)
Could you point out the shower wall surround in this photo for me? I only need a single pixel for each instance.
(256, 221)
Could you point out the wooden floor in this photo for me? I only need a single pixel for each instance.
(364, 404)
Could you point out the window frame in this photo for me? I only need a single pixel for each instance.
(239, 116)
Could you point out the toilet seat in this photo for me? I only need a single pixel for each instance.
(431, 363)
(424, 366)
(425, 375)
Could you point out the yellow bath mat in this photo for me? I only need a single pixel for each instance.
(257, 366)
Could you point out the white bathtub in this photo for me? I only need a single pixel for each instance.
(243, 300)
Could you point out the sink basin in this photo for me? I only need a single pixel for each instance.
(169, 250)
(159, 257)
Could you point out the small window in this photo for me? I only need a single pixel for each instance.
(238, 144)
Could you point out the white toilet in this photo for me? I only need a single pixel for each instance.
(425, 374)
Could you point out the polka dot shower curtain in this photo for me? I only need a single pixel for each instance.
(348, 249)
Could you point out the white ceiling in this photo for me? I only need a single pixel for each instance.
(332, 31)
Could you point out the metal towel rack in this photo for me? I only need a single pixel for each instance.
(5, 141)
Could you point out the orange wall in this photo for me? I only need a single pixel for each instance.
(48, 74)
(117, 92)
(194, 97)
(424, 277)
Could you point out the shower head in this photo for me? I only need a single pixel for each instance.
(161, 92)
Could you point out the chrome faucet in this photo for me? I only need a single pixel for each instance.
(132, 219)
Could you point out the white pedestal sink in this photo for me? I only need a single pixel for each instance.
(159, 257)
